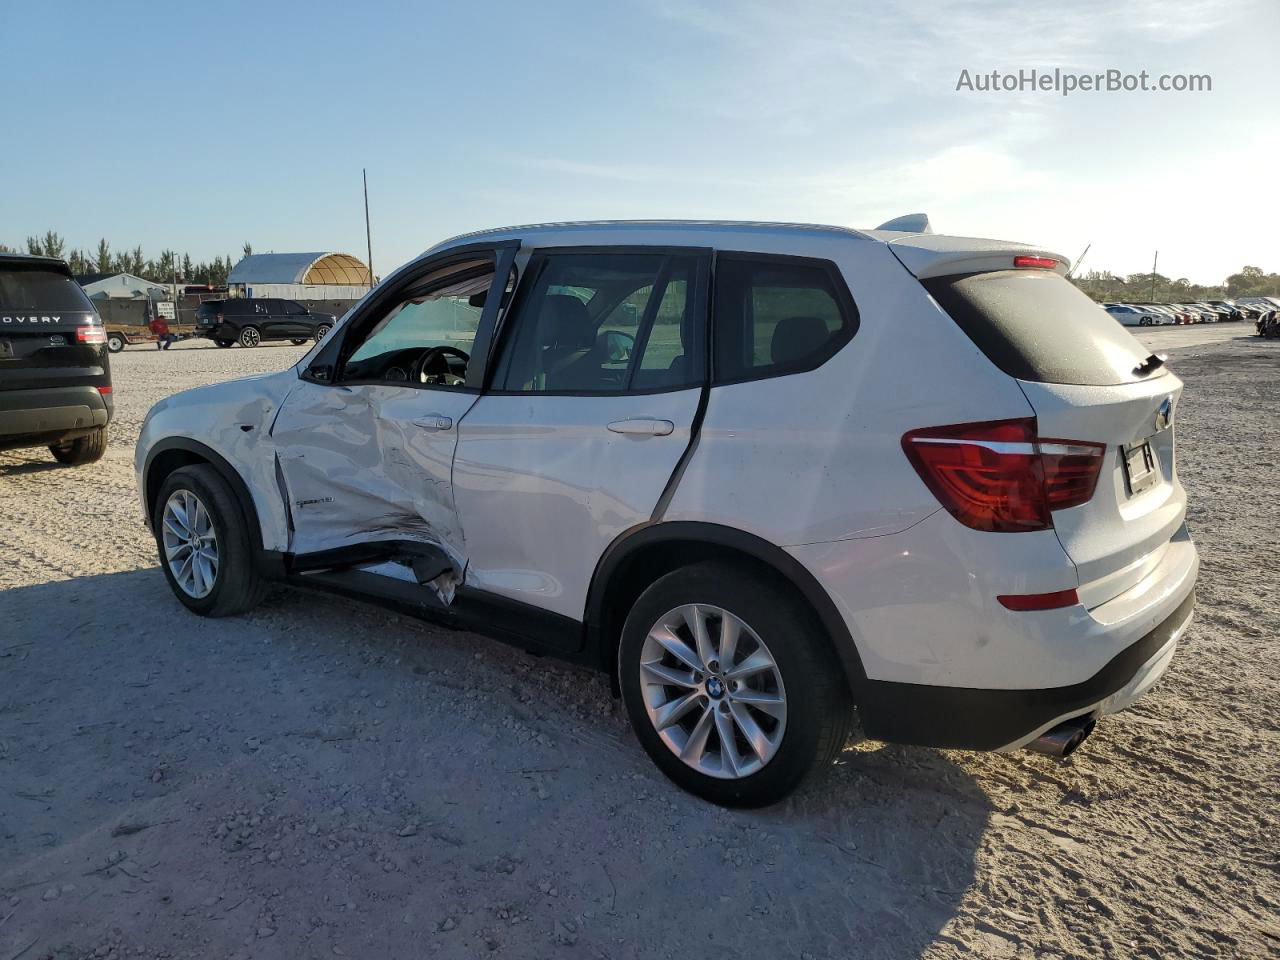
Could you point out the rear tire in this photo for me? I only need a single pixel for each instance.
(250, 337)
(298, 343)
(115, 342)
(803, 731)
(236, 584)
(82, 450)
(224, 343)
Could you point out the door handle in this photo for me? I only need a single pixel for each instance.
(434, 422)
(643, 427)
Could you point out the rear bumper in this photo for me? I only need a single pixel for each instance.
(32, 418)
(970, 719)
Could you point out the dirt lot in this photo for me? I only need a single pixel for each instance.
(324, 779)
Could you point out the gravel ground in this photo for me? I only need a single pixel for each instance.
(322, 778)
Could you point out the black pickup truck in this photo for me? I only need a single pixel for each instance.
(55, 379)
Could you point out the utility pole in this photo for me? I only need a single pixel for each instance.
(368, 235)
(1154, 261)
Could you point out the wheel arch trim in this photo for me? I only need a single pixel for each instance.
(220, 464)
(642, 537)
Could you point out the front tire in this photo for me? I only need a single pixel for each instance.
(250, 337)
(203, 541)
(82, 450)
(730, 684)
(322, 331)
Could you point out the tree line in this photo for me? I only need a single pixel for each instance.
(168, 267)
(1107, 287)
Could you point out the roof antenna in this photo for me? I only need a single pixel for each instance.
(910, 223)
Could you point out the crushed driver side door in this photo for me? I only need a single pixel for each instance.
(365, 443)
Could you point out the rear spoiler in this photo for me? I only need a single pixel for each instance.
(929, 255)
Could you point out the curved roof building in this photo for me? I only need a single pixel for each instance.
(338, 268)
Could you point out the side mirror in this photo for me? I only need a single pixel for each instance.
(320, 373)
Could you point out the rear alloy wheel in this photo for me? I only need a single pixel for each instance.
(203, 541)
(726, 682)
(730, 684)
(322, 331)
(115, 342)
(82, 450)
(250, 337)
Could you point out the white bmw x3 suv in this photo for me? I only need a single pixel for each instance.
(768, 477)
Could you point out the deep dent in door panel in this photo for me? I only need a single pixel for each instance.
(369, 485)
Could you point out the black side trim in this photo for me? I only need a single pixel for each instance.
(688, 534)
(703, 298)
(427, 560)
(966, 718)
(505, 620)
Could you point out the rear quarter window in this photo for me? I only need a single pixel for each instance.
(777, 315)
(27, 288)
(1035, 325)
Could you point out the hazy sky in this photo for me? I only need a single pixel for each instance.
(199, 130)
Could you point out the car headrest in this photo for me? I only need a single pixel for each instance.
(797, 337)
(568, 324)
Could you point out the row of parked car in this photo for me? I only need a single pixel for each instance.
(1260, 310)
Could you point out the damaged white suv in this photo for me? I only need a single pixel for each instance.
(766, 476)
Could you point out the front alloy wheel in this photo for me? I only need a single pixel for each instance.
(205, 544)
(190, 544)
(712, 691)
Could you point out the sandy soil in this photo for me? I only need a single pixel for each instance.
(324, 779)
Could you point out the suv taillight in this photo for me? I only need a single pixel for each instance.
(999, 476)
(90, 335)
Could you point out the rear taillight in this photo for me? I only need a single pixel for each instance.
(104, 391)
(999, 476)
(90, 335)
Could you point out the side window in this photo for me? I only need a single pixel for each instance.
(426, 337)
(776, 315)
(605, 323)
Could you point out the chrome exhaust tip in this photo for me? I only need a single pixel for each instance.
(1063, 740)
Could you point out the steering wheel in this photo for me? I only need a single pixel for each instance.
(432, 363)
